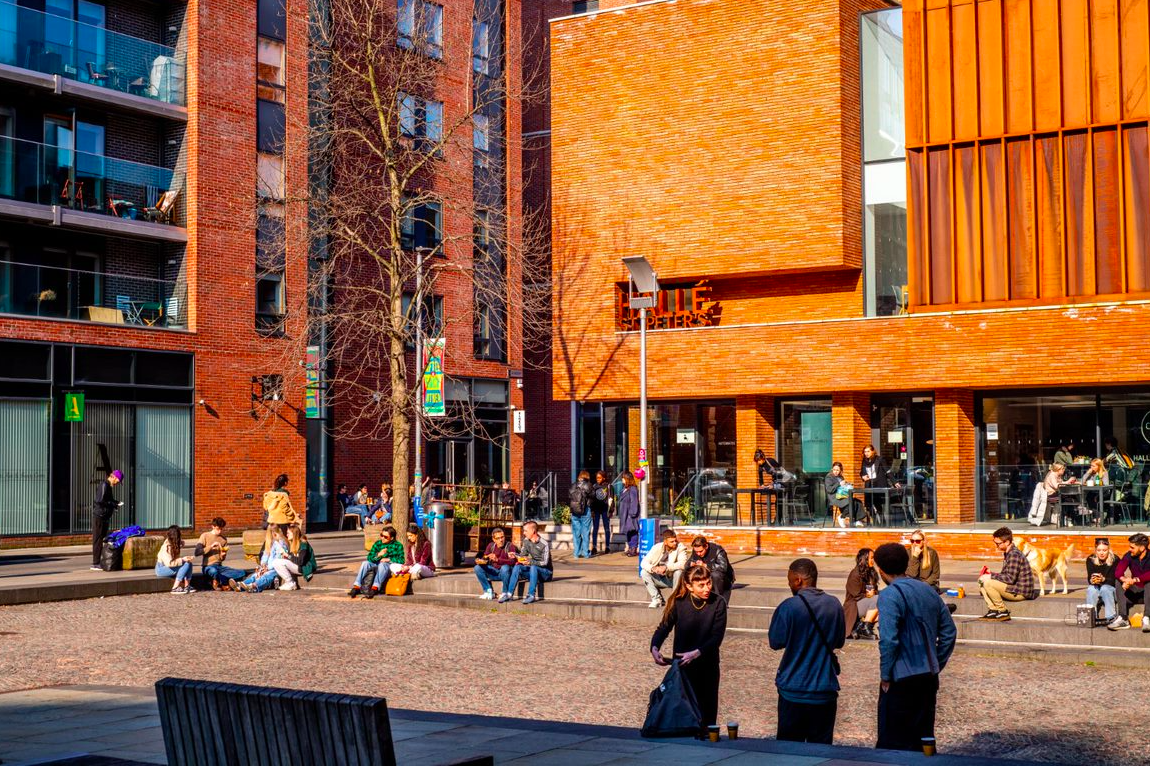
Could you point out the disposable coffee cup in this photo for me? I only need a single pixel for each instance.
(732, 729)
(928, 745)
(713, 733)
(1136, 620)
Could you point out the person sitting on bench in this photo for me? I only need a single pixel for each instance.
(384, 552)
(534, 564)
(1133, 576)
(715, 557)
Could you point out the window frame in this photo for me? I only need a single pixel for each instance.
(480, 46)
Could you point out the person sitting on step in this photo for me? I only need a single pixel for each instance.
(384, 552)
(417, 561)
(534, 564)
(715, 557)
(169, 562)
(212, 547)
(924, 565)
(1014, 583)
(860, 607)
(299, 561)
(275, 548)
(1101, 583)
(1132, 576)
(663, 566)
(497, 561)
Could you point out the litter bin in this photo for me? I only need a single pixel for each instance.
(441, 517)
(648, 530)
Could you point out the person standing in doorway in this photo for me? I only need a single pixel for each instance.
(601, 502)
(580, 502)
(102, 511)
(808, 626)
(916, 638)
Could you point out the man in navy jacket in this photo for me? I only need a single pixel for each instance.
(809, 626)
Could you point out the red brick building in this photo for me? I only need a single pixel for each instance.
(934, 247)
(142, 146)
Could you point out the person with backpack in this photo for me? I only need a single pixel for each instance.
(580, 502)
(916, 638)
(277, 505)
(102, 511)
(601, 502)
(298, 562)
(169, 562)
(808, 626)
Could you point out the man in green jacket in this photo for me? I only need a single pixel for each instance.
(384, 552)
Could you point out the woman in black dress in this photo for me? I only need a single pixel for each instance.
(699, 619)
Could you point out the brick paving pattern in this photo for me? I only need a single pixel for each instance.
(438, 659)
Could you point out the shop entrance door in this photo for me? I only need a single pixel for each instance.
(457, 468)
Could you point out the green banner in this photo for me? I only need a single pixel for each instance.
(816, 427)
(311, 395)
(73, 407)
(433, 403)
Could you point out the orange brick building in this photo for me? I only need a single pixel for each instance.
(856, 246)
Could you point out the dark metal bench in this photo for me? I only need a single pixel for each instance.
(206, 723)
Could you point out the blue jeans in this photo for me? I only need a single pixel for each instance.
(181, 574)
(532, 573)
(486, 573)
(382, 572)
(362, 511)
(221, 574)
(1108, 595)
(580, 532)
(605, 518)
(262, 582)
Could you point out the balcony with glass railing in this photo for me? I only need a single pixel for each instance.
(74, 50)
(90, 183)
(39, 290)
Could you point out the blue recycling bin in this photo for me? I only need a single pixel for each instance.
(648, 532)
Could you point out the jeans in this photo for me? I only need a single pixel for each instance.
(221, 573)
(580, 532)
(262, 582)
(534, 575)
(632, 541)
(362, 511)
(656, 581)
(906, 712)
(605, 518)
(807, 722)
(1106, 592)
(1126, 597)
(485, 573)
(382, 572)
(181, 574)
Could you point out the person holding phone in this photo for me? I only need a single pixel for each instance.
(169, 562)
(497, 561)
(417, 560)
(212, 547)
(698, 617)
(860, 607)
(1100, 579)
(102, 510)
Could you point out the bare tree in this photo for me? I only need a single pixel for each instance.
(406, 201)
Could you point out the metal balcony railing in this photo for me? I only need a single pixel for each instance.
(44, 42)
(37, 290)
(50, 175)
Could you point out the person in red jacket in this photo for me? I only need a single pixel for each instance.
(418, 561)
(1132, 575)
(497, 561)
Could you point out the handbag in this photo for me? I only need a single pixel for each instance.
(844, 490)
(672, 710)
(397, 585)
(835, 666)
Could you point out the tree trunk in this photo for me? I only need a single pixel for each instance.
(401, 472)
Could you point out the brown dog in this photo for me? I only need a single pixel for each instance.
(1047, 561)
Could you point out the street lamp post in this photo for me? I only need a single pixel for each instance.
(642, 292)
(417, 501)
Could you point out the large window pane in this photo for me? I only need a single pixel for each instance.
(24, 432)
(883, 135)
(902, 430)
(885, 232)
(163, 466)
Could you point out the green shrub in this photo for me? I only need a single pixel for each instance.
(685, 510)
(561, 514)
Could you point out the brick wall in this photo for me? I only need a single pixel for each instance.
(143, 19)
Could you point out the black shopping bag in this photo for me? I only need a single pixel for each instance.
(111, 557)
(672, 710)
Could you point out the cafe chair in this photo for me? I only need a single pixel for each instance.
(97, 78)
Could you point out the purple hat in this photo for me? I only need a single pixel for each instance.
(118, 474)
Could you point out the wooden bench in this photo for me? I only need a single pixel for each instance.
(206, 723)
(140, 552)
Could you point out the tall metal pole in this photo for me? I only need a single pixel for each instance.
(643, 410)
(417, 501)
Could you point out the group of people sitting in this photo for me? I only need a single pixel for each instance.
(502, 560)
(874, 473)
(285, 558)
(389, 557)
(1046, 500)
(1119, 582)
(663, 566)
(369, 510)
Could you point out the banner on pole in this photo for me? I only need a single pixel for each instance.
(433, 403)
(311, 394)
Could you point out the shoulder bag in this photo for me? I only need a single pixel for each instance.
(835, 666)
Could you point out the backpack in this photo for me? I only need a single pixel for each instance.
(120, 536)
(578, 499)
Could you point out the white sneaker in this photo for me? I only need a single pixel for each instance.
(487, 595)
(655, 603)
(858, 524)
(288, 586)
(842, 522)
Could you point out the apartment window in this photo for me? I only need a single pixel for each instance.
(481, 234)
(489, 331)
(269, 302)
(270, 70)
(270, 237)
(480, 132)
(422, 227)
(421, 119)
(419, 24)
(270, 175)
(480, 45)
(272, 21)
(432, 318)
(583, 6)
(269, 126)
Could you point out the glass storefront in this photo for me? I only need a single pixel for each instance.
(902, 430)
(470, 445)
(1019, 434)
(806, 449)
(884, 169)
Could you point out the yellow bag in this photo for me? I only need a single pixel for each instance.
(398, 585)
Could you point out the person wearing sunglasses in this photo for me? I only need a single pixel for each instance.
(923, 565)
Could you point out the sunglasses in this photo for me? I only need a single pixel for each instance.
(916, 539)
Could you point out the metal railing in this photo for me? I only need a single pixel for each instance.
(37, 290)
(50, 175)
(57, 45)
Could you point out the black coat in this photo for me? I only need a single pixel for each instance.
(717, 562)
(105, 504)
(882, 472)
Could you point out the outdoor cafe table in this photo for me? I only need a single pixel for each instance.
(881, 513)
(764, 496)
(1101, 489)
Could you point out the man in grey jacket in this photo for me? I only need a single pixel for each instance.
(534, 563)
(916, 638)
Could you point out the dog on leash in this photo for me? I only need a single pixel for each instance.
(1047, 562)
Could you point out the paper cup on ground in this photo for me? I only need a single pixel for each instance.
(928, 746)
(732, 729)
(713, 733)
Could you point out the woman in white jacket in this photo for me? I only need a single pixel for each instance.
(169, 562)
